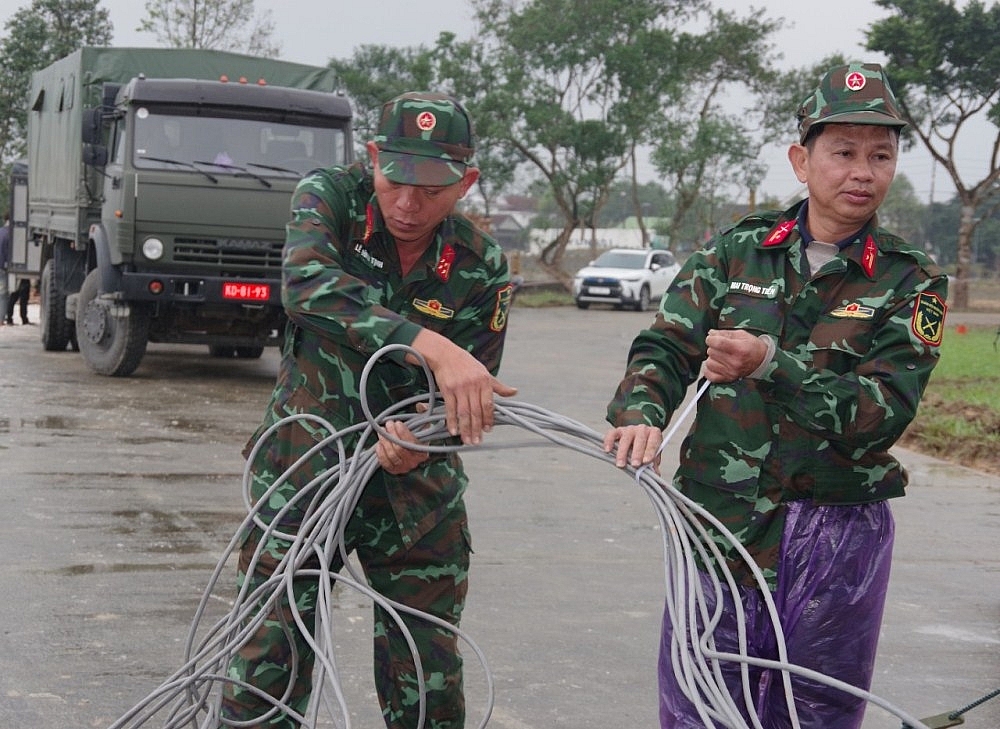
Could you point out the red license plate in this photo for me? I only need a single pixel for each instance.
(246, 291)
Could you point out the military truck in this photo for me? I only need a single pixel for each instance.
(158, 186)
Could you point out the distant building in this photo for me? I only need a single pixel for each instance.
(596, 239)
(511, 220)
(510, 233)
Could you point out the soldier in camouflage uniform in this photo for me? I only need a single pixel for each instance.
(374, 258)
(818, 331)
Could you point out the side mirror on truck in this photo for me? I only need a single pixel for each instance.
(93, 127)
(95, 155)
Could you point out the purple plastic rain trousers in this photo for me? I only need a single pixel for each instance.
(832, 580)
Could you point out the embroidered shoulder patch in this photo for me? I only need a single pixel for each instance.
(502, 308)
(928, 318)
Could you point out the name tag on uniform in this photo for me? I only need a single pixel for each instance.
(368, 258)
(752, 289)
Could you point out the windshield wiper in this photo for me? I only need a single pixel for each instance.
(275, 169)
(182, 163)
(243, 171)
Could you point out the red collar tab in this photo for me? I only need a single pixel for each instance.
(780, 234)
(869, 255)
(369, 223)
(443, 267)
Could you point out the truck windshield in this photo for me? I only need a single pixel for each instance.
(226, 145)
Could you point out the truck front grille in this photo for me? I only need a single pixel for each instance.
(229, 252)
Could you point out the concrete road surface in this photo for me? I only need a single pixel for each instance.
(121, 494)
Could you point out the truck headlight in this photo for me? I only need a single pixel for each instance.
(152, 248)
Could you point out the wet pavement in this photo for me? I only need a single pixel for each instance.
(121, 494)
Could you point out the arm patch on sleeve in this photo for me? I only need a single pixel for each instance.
(928, 318)
(502, 308)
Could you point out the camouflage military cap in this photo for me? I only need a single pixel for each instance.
(857, 93)
(424, 139)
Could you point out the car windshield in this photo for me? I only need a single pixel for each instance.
(621, 259)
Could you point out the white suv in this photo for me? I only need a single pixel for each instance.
(631, 277)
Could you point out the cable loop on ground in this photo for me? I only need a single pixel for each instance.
(190, 696)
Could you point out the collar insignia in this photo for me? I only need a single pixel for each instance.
(369, 223)
(868, 256)
(779, 234)
(443, 267)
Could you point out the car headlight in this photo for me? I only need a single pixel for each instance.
(152, 248)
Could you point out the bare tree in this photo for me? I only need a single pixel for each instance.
(225, 25)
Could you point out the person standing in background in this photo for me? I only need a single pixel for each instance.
(5, 253)
(19, 298)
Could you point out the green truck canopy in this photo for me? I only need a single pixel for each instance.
(118, 65)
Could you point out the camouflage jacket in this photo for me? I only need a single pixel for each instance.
(345, 297)
(856, 343)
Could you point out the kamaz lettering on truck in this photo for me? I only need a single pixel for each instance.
(159, 185)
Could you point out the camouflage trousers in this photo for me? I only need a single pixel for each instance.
(430, 576)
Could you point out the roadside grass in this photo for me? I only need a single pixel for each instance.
(539, 299)
(959, 417)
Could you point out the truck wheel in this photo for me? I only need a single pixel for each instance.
(112, 335)
(55, 328)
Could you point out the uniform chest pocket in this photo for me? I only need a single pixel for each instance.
(837, 343)
(759, 314)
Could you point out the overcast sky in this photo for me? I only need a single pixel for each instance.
(332, 28)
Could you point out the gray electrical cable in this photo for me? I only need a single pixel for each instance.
(190, 697)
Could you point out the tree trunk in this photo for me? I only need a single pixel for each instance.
(958, 293)
(552, 255)
(636, 204)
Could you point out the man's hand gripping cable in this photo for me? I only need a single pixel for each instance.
(331, 498)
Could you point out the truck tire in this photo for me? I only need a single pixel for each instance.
(112, 344)
(56, 330)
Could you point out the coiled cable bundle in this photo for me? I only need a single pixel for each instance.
(190, 697)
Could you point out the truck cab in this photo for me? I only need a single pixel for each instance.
(197, 188)
(173, 226)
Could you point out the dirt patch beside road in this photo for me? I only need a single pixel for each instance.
(973, 453)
